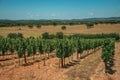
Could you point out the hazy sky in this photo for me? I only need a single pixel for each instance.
(58, 9)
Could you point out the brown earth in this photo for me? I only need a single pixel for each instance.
(100, 28)
(90, 67)
(52, 71)
(99, 72)
(78, 70)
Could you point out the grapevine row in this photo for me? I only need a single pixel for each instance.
(108, 49)
(64, 48)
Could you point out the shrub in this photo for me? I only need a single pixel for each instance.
(51, 36)
(114, 35)
(45, 35)
(39, 26)
(71, 23)
(54, 24)
(59, 35)
(15, 35)
(89, 25)
(19, 29)
(20, 35)
(63, 27)
(30, 26)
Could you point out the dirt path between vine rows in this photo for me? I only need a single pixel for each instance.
(86, 68)
(80, 71)
(99, 72)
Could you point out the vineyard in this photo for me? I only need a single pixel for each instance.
(69, 50)
(63, 48)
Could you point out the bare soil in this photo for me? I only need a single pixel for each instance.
(99, 72)
(90, 67)
(78, 70)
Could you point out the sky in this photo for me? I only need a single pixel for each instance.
(58, 9)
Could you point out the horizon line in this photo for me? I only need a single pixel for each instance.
(64, 19)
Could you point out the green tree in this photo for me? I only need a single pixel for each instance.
(63, 27)
(59, 35)
(45, 35)
(30, 26)
(39, 26)
(89, 25)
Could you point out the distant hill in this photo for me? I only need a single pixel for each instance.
(92, 19)
(88, 19)
(110, 18)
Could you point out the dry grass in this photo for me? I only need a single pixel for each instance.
(101, 28)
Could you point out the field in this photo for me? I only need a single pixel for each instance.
(59, 39)
(27, 32)
(90, 67)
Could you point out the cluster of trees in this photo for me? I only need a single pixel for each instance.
(38, 23)
(89, 25)
(116, 36)
(58, 35)
(15, 35)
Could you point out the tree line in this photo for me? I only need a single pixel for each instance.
(61, 35)
(39, 23)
